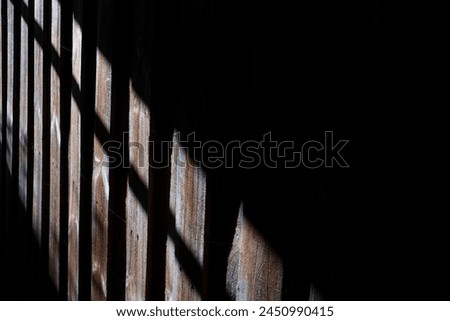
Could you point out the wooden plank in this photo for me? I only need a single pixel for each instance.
(23, 251)
(255, 271)
(185, 247)
(23, 113)
(137, 194)
(8, 166)
(65, 64)
(55, 148)
(9, 101)
(38, 165)
(16, 214)
(136, 211)
(87, 101)
(118, 175)
(100, 179)
(38, 124)
(9, 132)
(75, 156)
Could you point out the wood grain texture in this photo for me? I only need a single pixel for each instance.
(9, 99)
(38, 92)
(185, 246)
(100, 179)
(23, 141)
(55, 147)
(139, 135)
(37, 150)
(255, 271)
(23, 111)
(136, 212)
(75, 156)
(8, 132)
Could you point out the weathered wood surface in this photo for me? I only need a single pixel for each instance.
(8, 134)
(136, 210)
(55, 148)
(75, 155)
(100, 175)
(255, 271)
(23, 141)
(137, 200)
(37, 132)
(72, 224)
(23, 109)
(9, 103)
(38, 113)
(185, 247)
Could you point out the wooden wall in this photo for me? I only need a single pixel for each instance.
(83, 218)
(76, 75)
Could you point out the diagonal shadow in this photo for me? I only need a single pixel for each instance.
(103, 135)
(193, 269)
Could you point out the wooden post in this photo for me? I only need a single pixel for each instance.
(100, 179)
(75, 155)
